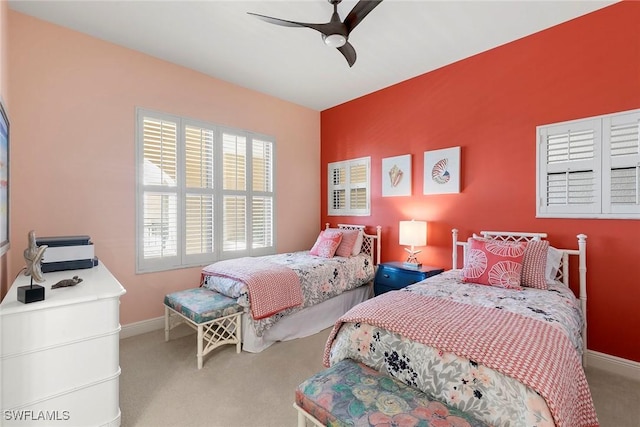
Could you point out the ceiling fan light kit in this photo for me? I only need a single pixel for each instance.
(335, 33)
(334, 40)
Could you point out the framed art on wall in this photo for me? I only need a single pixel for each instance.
(4, 180)
(396, 176)
(442, 171)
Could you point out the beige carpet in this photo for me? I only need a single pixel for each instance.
(160, 384)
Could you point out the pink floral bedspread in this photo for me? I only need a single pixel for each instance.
(259, 275)
(535, 353)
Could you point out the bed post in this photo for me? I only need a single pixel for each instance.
(582, 269)
(378, 243)
(454, 254)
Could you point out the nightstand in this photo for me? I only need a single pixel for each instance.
(395, 275)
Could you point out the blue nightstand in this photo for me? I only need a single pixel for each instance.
(395, 275)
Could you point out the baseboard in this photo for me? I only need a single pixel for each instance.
(613, 364)
(142, 327)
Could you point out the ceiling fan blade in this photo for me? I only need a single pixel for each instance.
(326, 29)
(278, 21)
(358, 13)
(349, 53)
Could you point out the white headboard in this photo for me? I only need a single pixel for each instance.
(563, 271)
(370, 242)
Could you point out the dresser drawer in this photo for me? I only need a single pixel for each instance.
(397, 278)
(394, 275)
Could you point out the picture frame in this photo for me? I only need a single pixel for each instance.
(396, 176)
(442, 171)
(4, 180)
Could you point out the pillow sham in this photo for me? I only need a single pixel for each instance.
(326, 243)
(534, 263)
(494, 263)
(357, 247)
(554, 256)
(349, 240)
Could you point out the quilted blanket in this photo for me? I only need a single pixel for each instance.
(272, 287)
(535, 353)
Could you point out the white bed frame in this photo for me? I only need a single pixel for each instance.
(563, 271)
(314, 319)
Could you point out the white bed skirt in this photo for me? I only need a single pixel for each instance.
(305, 322)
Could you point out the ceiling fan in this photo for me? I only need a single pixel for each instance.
(335, 33)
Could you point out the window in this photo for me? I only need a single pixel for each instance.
(205, 192)
(590, 168)
(349, 187)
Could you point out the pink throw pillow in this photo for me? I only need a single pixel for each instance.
(327, 243)
(534, 264)
(494, 263)
(349, 238)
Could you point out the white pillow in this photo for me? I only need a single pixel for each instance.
(357, 247)
(554, 256)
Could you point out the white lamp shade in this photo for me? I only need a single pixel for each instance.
(413, 233)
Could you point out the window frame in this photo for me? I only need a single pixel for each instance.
(348, 187)
(182, 259)
(601, 165)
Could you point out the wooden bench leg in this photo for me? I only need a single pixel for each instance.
(200, 345)
(166, 323)
(239, 332)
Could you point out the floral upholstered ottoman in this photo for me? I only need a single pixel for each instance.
(352, 394)
(216, 317)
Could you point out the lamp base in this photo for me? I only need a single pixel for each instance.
(31, 293)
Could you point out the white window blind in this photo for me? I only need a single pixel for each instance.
(589, 168)
(350, 187)
(204, 193)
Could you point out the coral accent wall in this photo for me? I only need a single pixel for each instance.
(73, 148)
(490, 105)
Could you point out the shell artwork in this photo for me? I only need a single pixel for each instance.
(395, 175)
(476, 263)
(439, 173)
(505, 274)
(507, 249)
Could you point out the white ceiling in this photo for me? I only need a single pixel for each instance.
(398, 40)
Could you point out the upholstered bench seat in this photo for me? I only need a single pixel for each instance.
(214, 316)
(352, 394)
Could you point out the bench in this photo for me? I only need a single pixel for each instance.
(216, 318)
(352, 394)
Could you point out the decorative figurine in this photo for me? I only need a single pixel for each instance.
(33, 258)
(67, 282)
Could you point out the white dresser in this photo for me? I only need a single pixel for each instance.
(60, 357)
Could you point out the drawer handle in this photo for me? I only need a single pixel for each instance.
(386, 276)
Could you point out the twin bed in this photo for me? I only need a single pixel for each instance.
(330, 286)
(505, 352)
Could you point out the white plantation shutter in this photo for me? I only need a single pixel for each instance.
(349, 187)
(622, 160)
(262, 202)
(199, 192)
(589, 168)
(204, 193)
(158, 235)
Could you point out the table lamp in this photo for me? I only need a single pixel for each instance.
(413, 233)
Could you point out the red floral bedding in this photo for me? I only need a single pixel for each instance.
(493, 363)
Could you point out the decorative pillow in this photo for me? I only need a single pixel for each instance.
(554, 256)
(494, 263)
(349, 239)
(357, 247)
(534, 263)
(327, 243)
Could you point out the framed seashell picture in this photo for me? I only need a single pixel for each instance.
(442, 171)
(396, 176)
